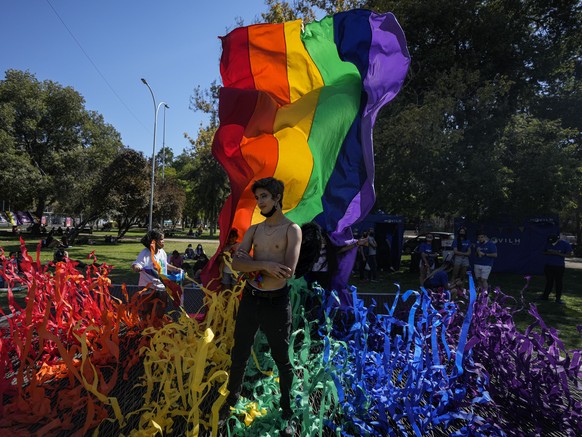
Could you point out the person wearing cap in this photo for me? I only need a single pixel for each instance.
(486, 252)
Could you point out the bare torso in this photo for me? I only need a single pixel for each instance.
(270, 244)
(275, 245)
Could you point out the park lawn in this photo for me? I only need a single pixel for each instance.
(565, 318)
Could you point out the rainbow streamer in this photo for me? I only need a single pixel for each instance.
(299, 104)
(171, 281)
(78, 361)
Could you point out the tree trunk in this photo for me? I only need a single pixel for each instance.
(578, 230)
(40, 207)
(125, 224)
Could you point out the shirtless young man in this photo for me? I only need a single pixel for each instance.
(265, 302)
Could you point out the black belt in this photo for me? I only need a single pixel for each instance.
(266, 294)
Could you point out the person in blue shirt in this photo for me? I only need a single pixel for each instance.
(427, 258)
(486, 252)
(439, 278)
(556, 251)
(462, 251)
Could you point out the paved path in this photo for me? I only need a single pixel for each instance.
(574, 263)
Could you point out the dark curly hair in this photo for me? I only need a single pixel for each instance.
(272, 185)
(311, 241)
(154, 234)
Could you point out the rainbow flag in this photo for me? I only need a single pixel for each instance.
(298, 104)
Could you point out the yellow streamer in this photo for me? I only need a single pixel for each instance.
(184, 362)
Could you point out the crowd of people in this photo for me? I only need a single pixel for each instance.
(457, 262)
(451, 272)
(446, 268)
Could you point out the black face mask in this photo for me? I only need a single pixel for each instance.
(270, 213)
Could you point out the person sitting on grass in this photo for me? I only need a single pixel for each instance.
(61, 255)
(176, 259)
(201, 259)
(51, 242)
(189, 252)
(439, 279)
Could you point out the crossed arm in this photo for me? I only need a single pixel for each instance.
(243, 262)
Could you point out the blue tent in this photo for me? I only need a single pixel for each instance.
(519, 243)
(389, 234)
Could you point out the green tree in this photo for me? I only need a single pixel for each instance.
(282, 11)
(52, 148)
(209, 185)
(125, 188)
(184, 166)
(102, 146)
(442, 146)
(171, 198)
(164, 160)
(540, 160)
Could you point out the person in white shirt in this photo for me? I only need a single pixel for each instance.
(153, 242)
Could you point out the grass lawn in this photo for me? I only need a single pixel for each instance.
(120, 256)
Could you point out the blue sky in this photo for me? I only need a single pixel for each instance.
(173, 44)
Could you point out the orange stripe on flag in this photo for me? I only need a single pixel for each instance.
(268, 54)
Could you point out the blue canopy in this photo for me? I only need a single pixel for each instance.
(520, 243)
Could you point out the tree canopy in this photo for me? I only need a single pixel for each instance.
(480, 127)
(53, 149)
(486, 123)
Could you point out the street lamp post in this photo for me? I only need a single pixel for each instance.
(164, 156)
(156, 110)
(164, 141)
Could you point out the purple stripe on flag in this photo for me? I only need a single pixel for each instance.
(388, 63)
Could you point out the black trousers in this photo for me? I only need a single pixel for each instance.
(362, 267)
(554, 275)
(373, 266)
(273, 316)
